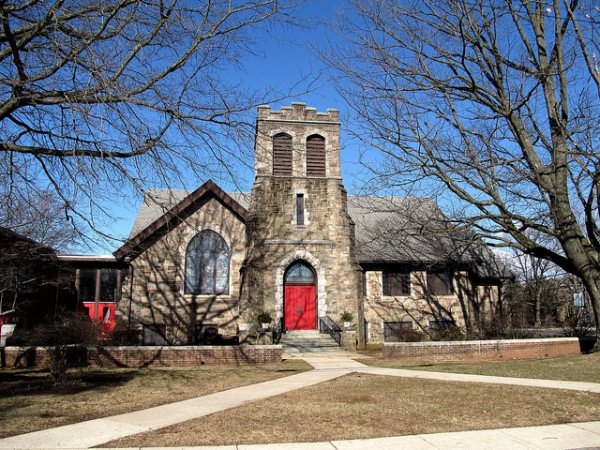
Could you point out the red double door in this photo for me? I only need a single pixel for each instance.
(300, 311)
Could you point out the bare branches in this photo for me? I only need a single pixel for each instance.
(95, 95)
(495, 104)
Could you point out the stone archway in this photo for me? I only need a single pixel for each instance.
(320, 282)
(300, 297)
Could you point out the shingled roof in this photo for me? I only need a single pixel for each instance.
(158, 201)
(388, 230)
(161, 210)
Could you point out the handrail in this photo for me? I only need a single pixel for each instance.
(278, 331)
(327, 325)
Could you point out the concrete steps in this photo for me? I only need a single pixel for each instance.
(308, 341)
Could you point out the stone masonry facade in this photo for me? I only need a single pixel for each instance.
(153, 292)
(267, 236)
(326, 239)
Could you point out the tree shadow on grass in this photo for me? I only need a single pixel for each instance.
(40, 382)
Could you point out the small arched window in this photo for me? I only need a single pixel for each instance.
(207, 264)
(315, 156)
(299, 273)
(282, 154)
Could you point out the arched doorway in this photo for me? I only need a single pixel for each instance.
(299, 297)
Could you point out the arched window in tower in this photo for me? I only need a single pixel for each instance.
(299, 273)
(207, 264)
(282, 154)
(315, 156)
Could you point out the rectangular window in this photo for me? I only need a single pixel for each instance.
(395, 331)
(396, 283)
(154, 334)
(439, 283)
(87, 285)
(440, 325)
(108, 285)
(299, 209)
(579, 299)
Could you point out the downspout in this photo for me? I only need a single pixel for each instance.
(130, 300)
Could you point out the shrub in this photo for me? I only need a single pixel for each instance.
(347, 316)
(264, 317)
(409, 335)
(447, 333)
(123, 334)
(579, 322)
(67, 338)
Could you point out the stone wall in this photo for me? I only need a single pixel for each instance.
(149, 356)
(418, 308)
(154, 293)
(482, 350)
(276, 240)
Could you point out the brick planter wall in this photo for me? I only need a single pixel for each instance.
(482, 350)
(148, 356)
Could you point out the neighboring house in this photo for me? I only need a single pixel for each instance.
(34, 285)
(38, 285)
(298, 248)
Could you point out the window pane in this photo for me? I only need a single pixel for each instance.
(395, 331)
(108, 285)
(87, 285)
(396, 283)
(300, 209)
(154, 335)
(207, 265)
(439, 283)
(221, 274)
(299, 272)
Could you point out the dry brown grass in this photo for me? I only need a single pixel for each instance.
(367, 406)
(30, 400)
(569, 368)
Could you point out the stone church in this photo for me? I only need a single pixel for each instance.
(300, 249)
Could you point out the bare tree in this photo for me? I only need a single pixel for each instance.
(97, 96)
(42, 217)
(538, 286)
(495, 102)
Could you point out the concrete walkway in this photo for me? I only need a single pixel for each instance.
(328, 366)
(567, 436)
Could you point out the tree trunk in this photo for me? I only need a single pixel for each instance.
(538, 320)
(591, 281)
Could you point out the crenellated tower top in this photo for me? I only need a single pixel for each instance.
(297, 141)
(298, 112)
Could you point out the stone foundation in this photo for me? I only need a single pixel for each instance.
(482, 350)
(149, 356)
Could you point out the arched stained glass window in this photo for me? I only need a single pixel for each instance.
(300, 273)
(207, 264)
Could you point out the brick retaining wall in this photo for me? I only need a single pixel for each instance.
(148, 356)
(482, 350)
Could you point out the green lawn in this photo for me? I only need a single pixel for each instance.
(569, 368)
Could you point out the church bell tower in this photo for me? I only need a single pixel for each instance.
(300, 263)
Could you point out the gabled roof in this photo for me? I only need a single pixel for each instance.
(162, 209)
(388, 230)
(414, 231)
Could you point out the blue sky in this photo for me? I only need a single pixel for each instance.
(283, 54)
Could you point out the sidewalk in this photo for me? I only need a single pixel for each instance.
(567, 436)
(99, 431)
(327, 366)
